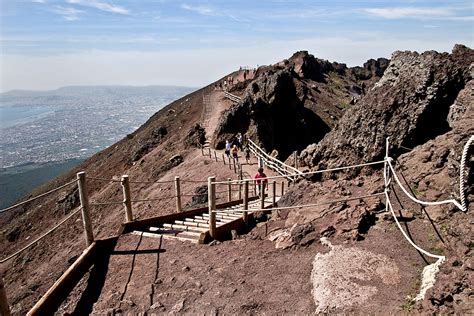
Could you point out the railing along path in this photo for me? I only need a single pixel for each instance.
(285, 171)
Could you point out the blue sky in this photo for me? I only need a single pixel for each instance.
(50, 43)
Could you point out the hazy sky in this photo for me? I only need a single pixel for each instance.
(46, 44)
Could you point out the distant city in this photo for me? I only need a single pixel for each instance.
(74, 122)
(43, 134)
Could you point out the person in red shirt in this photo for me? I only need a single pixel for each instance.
(260, 174)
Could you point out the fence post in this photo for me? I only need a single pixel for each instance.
(211, 191)
(177, 186)
(262, 195)
(230, 164)
(240, 182)
(282, 187)
(215, 155)
(4, 308)
(274, 190)
(229, 190)
(233, 161)
(127, 201)
(86, 220)
(255, 189)
(223, 159)
(202, 150)
(246, 200)
(209, 152)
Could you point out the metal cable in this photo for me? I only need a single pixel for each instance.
(307, 205)
(104, 203)
(306, 173)
(37, 197)
(41, 237)
(102, 179)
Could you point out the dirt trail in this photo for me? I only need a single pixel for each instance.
(218, 104)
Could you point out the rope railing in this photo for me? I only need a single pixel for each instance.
(272, 162)
(103, 179)
(38, 196)
(462, 173)
(414, 199)
(405, 234)
(41, 237)
(308, 173)
(309, 205)
(232, 97)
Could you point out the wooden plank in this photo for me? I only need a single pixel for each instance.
(54, 297)
(156, 235)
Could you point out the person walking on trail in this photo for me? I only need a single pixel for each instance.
(227, 148)
(239, 141)
(235, 153)
(247, 154)
(261, 181)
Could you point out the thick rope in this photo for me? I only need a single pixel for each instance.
(37, 197)
(456, 203)
(462, 174)
(405, 234)
(41, 237)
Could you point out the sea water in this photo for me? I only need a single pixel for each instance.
(14, 115)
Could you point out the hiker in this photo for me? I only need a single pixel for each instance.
(227, 148)
(247, 154)
(261, 184)
(239, 141)
(235, 153)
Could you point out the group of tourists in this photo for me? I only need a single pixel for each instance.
(240, 143)
(232, 148)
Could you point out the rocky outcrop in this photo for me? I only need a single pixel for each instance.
(410, 104)
(270, 103)
(296, 102)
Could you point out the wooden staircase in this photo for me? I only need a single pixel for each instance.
(195, 227)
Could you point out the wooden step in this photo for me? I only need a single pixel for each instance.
(229, 214)
(220, 217)
(185, 227)
(157, 235)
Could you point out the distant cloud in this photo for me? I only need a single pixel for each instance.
(203, 10)
(38, 1)
(411, 12)
(68, 13)
(100, 5)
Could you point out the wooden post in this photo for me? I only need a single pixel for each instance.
(177, 186)
(4, 308)
(240, 182)
(255, 189)
(223, 159)
(215, 155)
(202, 150)
(274, 190)
(295, 159)
(282, 187)
(211, 191)
(229, 190)
(235, 168)
(230, 164)
(262, 195)
(127, 201)
(246, 200)
(209, 151)
(86, 220)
